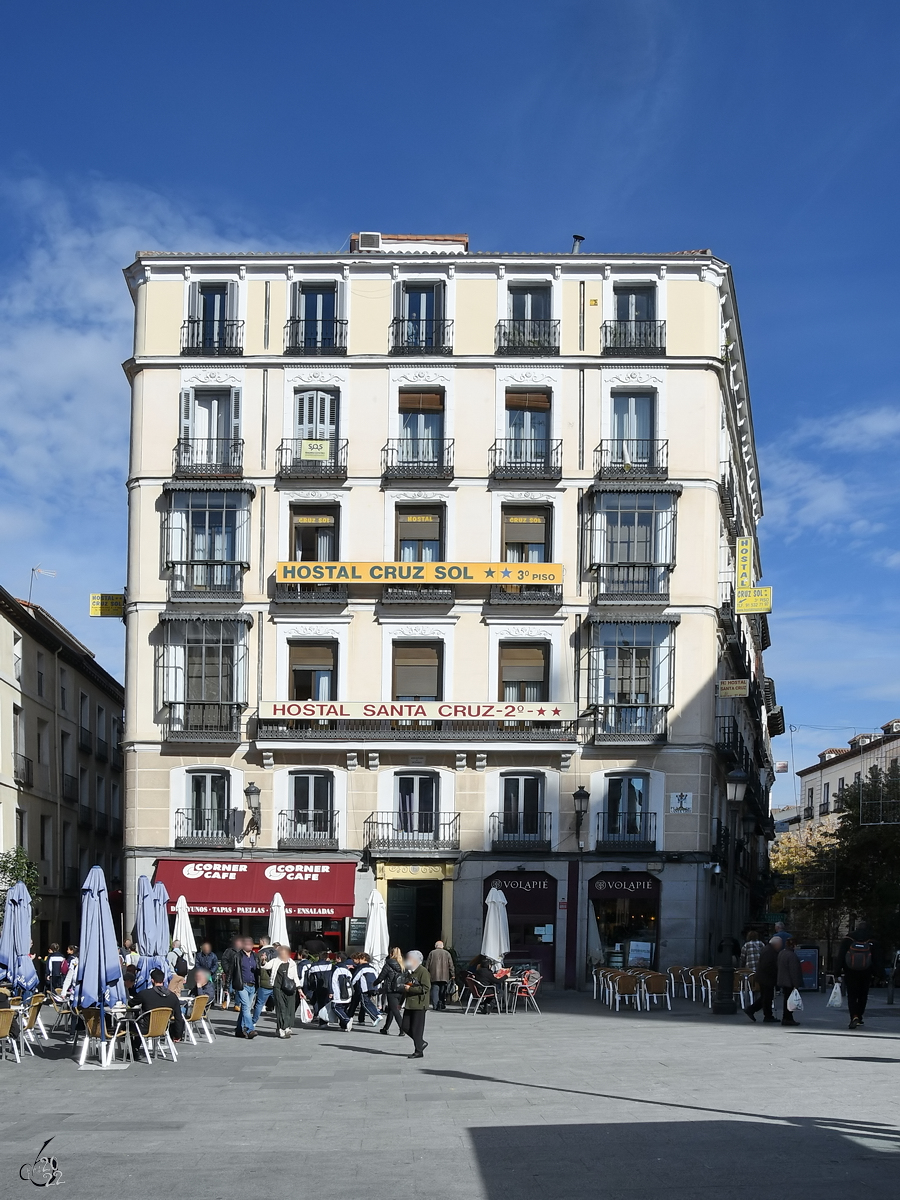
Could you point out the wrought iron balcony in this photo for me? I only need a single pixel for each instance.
(203, 829)
(223, 581)
(293, 462)
(327, 336)
(632, 458)
(317, 593)
(622, 582)
(70, 789)
(527, 593)
(417, 458)
(633, 339)
(199, 721)
(808, 813)
(411, 831)
(525, 458)
(520, 831)
(101, 823)
(527, 337)
(85, 817)
(85, 739)
(630, 723)
(363, 730)
(421, 336)
(426, 594)
(304, 829)
(209, 458)
(210, 338)
(117, 759)
(618, 830)
(101, 750)
(23, 770)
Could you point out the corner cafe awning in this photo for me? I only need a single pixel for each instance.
(427, 572)
(245, 889)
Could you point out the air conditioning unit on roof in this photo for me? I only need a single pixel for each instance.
(370, 241)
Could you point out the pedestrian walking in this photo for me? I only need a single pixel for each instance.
(226, 963)
(178, 964)
(767, 980)
(317, 988)
(790, 976)
(342, 993)
(69, 970)
(363, 983)
(417, 989)
(390, 985)
(751, 950)
(265, 955)
(242, 984)
(440, 967)
(285, 980)
(855, 959)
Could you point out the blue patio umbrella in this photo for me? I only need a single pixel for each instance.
(161, 904)
(98, 981)
(148, 932)
(15, 941)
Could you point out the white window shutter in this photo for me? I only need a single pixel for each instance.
(193, 300)
(186, 411)
(235, 414)
(231, 302)
(176, 535)
(241, 660)
(242, 533)
(173, 671)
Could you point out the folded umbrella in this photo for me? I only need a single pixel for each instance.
(184, 932)
(278, 931)
(147, 929)
(495, 942)
(98, 979)
(377, 944)
(15, 941)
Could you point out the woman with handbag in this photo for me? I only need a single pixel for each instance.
(285, 985)
(388, 983)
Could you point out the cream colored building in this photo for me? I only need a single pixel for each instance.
(444, 425)
(838, 769)
(60, 764)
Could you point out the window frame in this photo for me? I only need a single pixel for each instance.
(406, 510)
(413, 819)
(314, 643)
(657, 696)
(304, 515)
(173, 660)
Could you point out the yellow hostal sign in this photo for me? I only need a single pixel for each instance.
(425, 572)
(744, 563)
(753, 600)
(107, 604)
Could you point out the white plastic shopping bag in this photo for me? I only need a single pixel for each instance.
(836, 999)
(795, 1002)
(305, 1010)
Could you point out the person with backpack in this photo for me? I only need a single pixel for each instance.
(364, 976)
(317, 988)
(342, 993)
(54, 971)
(285, 981)
(389, 983)
(265, 956)
(855, 959)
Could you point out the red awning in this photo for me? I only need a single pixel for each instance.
(245, 889)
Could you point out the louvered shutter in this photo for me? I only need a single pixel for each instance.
(186, 413)
(242, 532)
(232, 297)
(235, 429)
(416, 670)
(194, 300)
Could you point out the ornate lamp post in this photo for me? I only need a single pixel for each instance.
(724, 1004)
(582, 798)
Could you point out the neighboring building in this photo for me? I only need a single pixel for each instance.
(839, 768)
(401, 406)
(60, 763)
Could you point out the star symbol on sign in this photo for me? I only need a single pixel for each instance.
(489, 573)
(506, 574)
(556, 712)
(541, 711)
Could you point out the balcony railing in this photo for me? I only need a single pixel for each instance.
(525, 458)
(633, 339)
(85, 739)
(527, 337)
(527, 593)
(70, 789)
(317, 593)
(302, 829)
(101, 750)
(417, 458)
(632, 458)
(618, 830)
(421, 336)
(23, 770)
(808, 813)
(85, 817)
(101, 822)
(209, 458)
(632, 581)
(207, 581)
(117, 759)
(413, 831)
(427, 594)
(630, 723)
(294, 461)
(420, 731)
(199, 721)
(520, 831)
(327, 336)
(211, 338)
(203, 829)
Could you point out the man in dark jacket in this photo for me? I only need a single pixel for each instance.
(207, 960)
(790, 977)
(416, 984)
(767, 978)
(159, 996)
(855, 961)
(242, 978)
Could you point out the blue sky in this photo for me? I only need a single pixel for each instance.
(765, 131)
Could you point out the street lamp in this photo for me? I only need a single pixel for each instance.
(736, 785)
(724, 1004)
(582, 798)
(252, 793)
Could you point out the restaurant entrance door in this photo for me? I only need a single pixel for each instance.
(414, 914)
(626, 908)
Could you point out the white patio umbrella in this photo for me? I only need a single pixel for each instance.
(495, 942)
(377, 944)
(278, 931)
(183, 931)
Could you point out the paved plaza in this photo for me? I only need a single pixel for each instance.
(575, 1102)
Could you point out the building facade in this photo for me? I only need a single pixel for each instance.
(61, 765)
(423, 543)
(838, 769)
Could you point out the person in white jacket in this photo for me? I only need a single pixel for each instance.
(285, 982)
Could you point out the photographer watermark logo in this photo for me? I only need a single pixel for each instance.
(44, 1171)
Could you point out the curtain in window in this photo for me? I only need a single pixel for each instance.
(631, 664)
(417, 803)
(627, 805)
(312, 801)
(209, 802)
(522, 805)
(205, 662)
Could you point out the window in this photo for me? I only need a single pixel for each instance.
(316, 416)
(46, 839)
(421, 427)
(84, 794)
(210, 427)
(212, 309)
(523, 805)
(528, 426)
(17, 656)
(630, 677)
(417, 671)
(18, 730)
(523, 672)
(627, 806)
(21, 829)
(101, 794)
(313, 667)
(526, 534)
(809, 796)
(840, 784)
(856, 776)
(43, 743)
(65, 752)
(634, 430)
(635, 303)
(115, 801)
(40, 673)
(423, 315)
(84, 711)
(204, 671)
(530, 303)
(825, 804)
(314, 534)
(418, 803)
(314, 309)
(64, 689)
(633, 542)
(420, 534)
(312, 792)
(209, 810)
(101, 722)
(208, 540)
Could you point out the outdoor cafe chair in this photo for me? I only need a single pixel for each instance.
(62, 1010)
(481, 993)
(655, 987)
(694, 979)
(708, 982)
(525, 990)
(95, 1035)
(156, 1039)
(195, 1016)
(677, 980)
(628, 988)
(33, 1021)
(8, 1044)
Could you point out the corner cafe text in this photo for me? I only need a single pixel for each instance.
(427, 572)
(429, 710)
